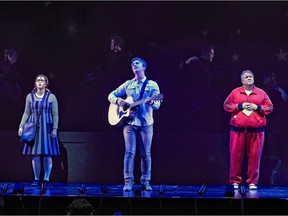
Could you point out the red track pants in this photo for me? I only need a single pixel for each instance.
(252, 144)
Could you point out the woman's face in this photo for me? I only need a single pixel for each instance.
(40, 82)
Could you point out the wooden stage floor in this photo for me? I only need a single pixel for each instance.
(163, 200)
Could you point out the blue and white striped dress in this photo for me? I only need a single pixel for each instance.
(44, 144)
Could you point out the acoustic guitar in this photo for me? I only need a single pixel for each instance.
(117, 115)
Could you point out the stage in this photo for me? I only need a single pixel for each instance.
(92, 161)
(21, 198)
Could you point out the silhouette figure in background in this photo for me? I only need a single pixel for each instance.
(115, 68)
(80, 207)
(203, 89)
(275, 140)
(278, 120)
(10, 91)
(114, 64)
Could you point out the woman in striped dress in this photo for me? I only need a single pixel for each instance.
(46, 142)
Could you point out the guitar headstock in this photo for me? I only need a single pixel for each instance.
(158, 97)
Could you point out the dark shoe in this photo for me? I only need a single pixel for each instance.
(44, 186)
(35, 183)
(47, 183)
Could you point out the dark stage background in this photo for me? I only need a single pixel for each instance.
(69, 42)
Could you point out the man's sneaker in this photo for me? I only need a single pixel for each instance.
(147, 186)
(236, 186)
(128, 186)
(252, 187)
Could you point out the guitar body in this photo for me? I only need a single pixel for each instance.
(117, 115)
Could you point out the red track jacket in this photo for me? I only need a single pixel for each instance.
(257, 119)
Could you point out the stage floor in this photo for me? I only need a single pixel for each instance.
(164, 199)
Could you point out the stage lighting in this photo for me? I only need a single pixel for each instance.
(202, 190)
(161, 189)
(5, 187)
(82, 188)
(242, 190)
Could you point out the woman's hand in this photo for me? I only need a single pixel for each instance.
(54, 133)
(20, 131)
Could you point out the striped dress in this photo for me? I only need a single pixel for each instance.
(44, 144)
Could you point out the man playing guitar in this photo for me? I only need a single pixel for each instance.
(145, 94)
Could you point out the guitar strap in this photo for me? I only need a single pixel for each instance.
(142, 89)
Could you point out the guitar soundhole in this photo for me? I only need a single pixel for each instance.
(126, 107)
(121, 114)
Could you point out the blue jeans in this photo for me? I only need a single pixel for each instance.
(144, 135)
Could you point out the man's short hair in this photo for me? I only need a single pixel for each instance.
(246, 71)
(117, 40)
(144, 63)
(207, 48)
(11, 52)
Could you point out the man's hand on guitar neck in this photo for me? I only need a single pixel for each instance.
(149, 101)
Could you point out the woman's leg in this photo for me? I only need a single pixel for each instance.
(47, 159)
(36, 165)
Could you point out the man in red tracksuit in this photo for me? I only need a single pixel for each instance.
(248, 106)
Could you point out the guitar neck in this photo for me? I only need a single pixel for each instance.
(137, 103)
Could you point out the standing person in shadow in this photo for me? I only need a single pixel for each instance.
(277, 121)
(46, 141)
(113, 67)
(114, 63)
(248, 106)
(275, 141)
(140, 123)
(10, 91)
(203, 83)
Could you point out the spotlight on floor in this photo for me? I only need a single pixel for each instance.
(202, 189)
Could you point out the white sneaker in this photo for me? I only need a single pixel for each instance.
(236, 186)
(252, 187)
(128, 186)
